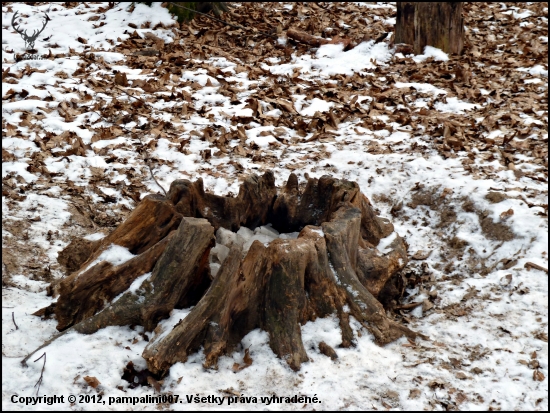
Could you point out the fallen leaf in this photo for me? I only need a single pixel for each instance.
(414, 394)
(421, 255)
(92, 381)
(538, 376)
(247, 361)
(507, 214)
(120, 79)
(231, 391)
(460, 397)
(154, 383)
(461, 376)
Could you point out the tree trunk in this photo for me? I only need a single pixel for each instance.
(185, 11)
(404, 23)
(332, 268)
(437, 24)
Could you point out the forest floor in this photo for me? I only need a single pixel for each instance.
(453, 150)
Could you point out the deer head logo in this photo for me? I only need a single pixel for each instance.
(29, 40)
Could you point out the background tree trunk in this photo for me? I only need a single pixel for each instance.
(201, 6)
(404, 25)
(437, 24)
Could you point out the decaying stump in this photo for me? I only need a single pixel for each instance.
(333, 267)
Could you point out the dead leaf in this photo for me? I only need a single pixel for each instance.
(154, 383)
(120, 79)
(460, 397)
(530, 265)
(247, 361)
(461, 376)
(414, 394)
(231, 391)
(472, 292)
(92, 381)
(421, 255)
(427, 305)
(507, 214)
(538, 376)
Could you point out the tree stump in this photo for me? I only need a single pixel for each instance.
(333, 267)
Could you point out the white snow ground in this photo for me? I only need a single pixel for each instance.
(487, 328)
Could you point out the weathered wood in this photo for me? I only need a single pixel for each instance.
(179, 279)
(268, 291)
(202, 324)
(86, 290)
(339, 233)
(307, 38)
(315, 41)
(150, 222)
(373, 228)
(437, 24)
(249, 208)
(86, 294)
(374, 270)
(333, 267)
(285, 298)
(76, 253)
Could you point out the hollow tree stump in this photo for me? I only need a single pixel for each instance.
(333, 267)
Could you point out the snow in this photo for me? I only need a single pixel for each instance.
(317, 105)
(535, 70)
(331, 59)
(244, 237)
(430, 51)
(114, 254)
(384, 243)
(95, 237)
(454, 105)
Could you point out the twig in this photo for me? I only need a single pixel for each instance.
(146, 157)
(530, 265)
(45, 344)
(236, 26)
(39, 382)
(135, 97)
(409, 306)
(13, 319)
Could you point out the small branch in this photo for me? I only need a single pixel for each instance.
(39, 382)
(45, 344)
(135, 97)
(153, 176)
(307, 38)
(409, 306)
(13, 319)
(146, 157)
(530, 265)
